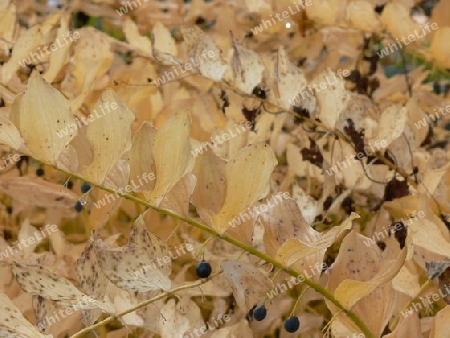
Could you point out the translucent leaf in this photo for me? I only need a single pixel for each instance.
(141, 157)
(172, 154)
(247, 176)
(209, 192)
(109, 135)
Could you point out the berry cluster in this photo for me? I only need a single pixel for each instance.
(291, 324)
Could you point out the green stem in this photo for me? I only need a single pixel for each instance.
(251, 250)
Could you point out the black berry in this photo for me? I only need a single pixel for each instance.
(292, 324)
(78, 206)
(259, 313)
(203, 269)
(39, 172)
(69, 184)
(85, 187)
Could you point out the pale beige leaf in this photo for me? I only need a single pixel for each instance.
(40, 114)
(293, 250)
(132, 35)
(60, 56)
(21, 53)
(362, 15)
(36, 191)
(178, 198)
(397, 20)
(333, 99)
(13, 324)
(203, 53)
(141, 157)
(247, 175)
(391, 125)
(427, 235)
(109, 135)
(350, 291)
(164, 42)
(130, 268)
(359, 262)
(209, 192)
(284, 222)
(118, 176)
(92, 58)
(441, 326)
(407, 327)
(185, 317)
(42, 308)
(41, 281)
(239, 330)
(92, 280)
(326, 12)
(247, 68)
(68, 160)
(290, 85)
(249, 284)
(26, 232)
(153, 246)
(172, 154)
(9, 134)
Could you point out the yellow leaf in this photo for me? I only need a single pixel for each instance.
(141, 157)
(172, 155)
(247, 175)
(109, 134)
(294, 249)
(40, 114)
